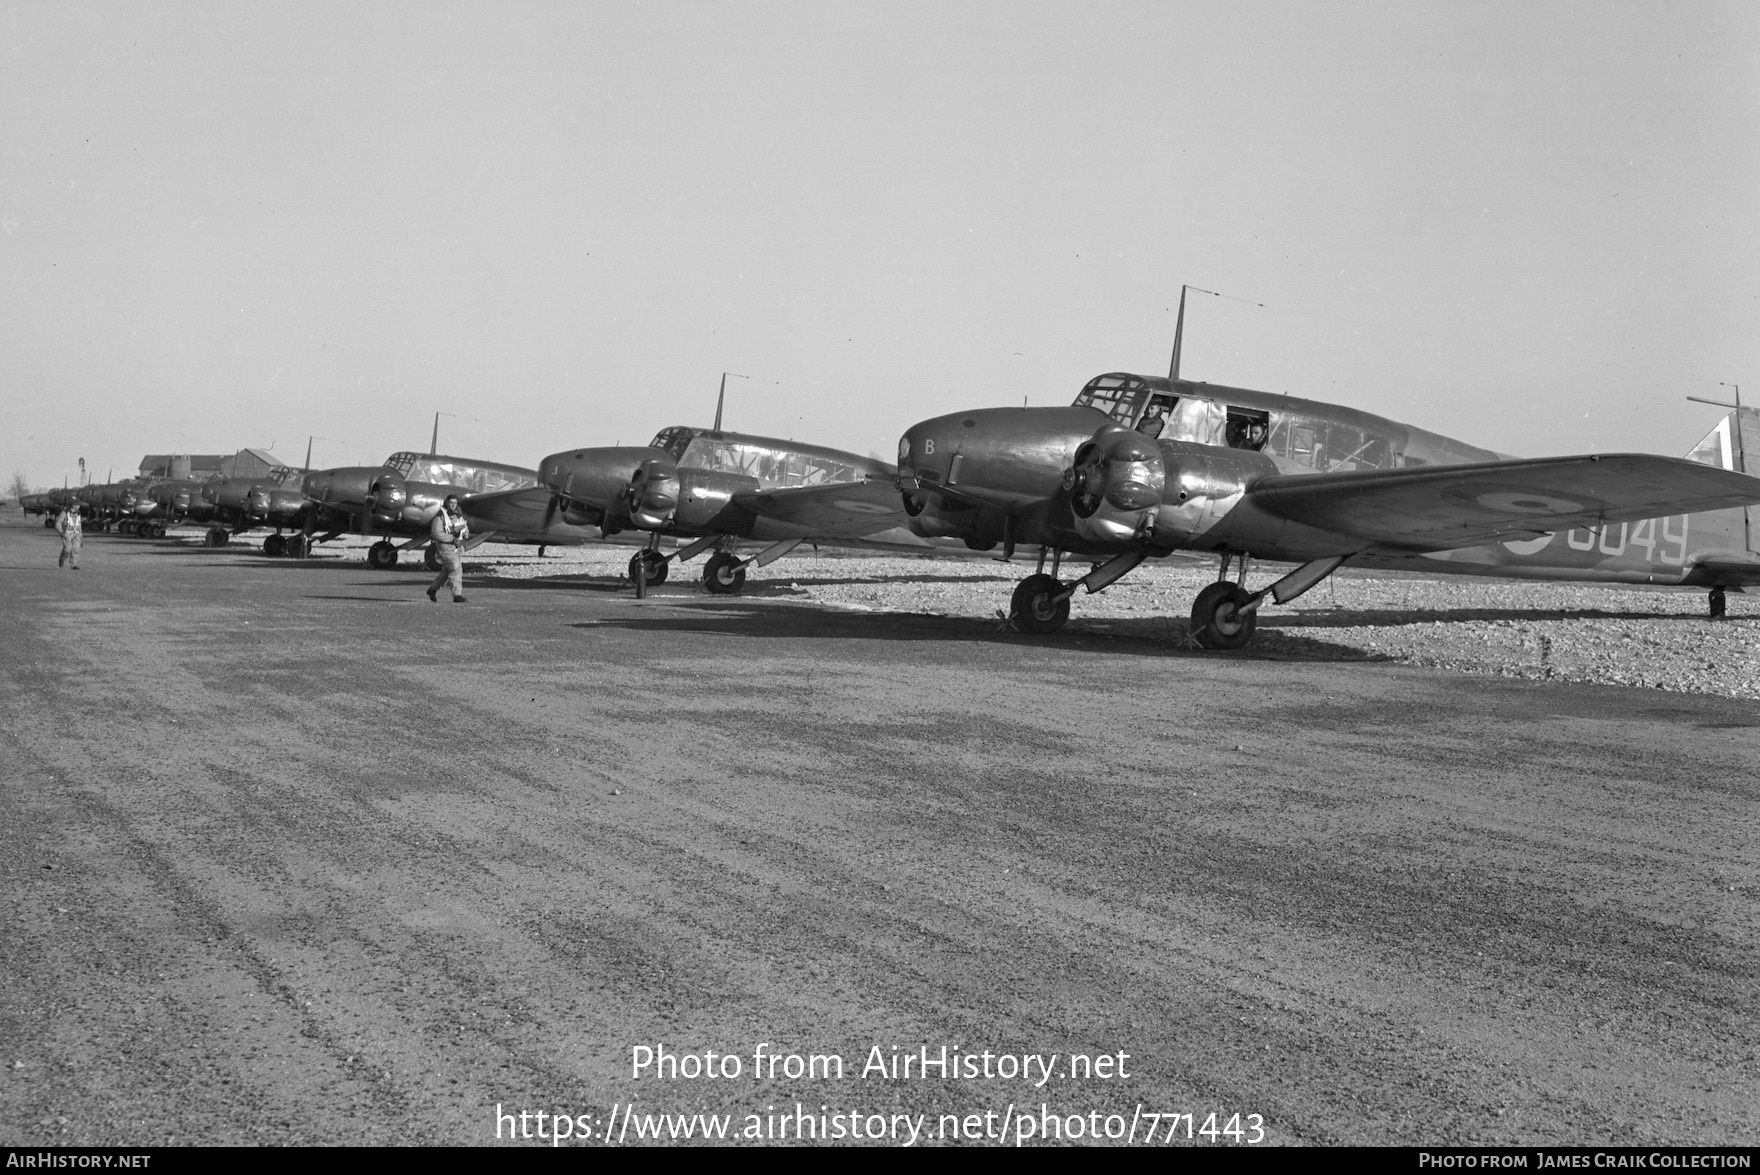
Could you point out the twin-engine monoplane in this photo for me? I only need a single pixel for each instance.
(718, 489)
(1140, 467)
(397, 500)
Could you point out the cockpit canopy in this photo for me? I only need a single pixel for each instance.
(772, 465)
(449, 471)
(1301, 439)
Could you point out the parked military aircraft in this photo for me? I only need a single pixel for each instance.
(718, 488)
(399, 498)
(179, 500)
(1142, 466)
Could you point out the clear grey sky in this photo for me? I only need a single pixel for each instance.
(1534, 226)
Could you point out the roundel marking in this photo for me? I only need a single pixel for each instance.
(1529, 546)
(861, 507)
(1529, 503)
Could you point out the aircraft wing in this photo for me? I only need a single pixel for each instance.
(525, 515)
(1438, 508)
(845, 509)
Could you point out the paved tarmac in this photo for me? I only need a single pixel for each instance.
(293, 855)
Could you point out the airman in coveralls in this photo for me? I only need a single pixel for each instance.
(71, 529)
(449, 531)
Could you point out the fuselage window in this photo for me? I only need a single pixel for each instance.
(470, 479)
(1198, 421)
(770, 467)
(1156, 415)
(1247, 429)
(1301, 443)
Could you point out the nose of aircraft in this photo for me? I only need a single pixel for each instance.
(342, 487)
(597, 477)
(1005, 456)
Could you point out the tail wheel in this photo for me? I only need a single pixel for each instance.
(656, 567)
(1217, 619)
(723, 574)
(381, 556)
(1036, 608)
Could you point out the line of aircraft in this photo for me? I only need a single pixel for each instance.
(1136, 468)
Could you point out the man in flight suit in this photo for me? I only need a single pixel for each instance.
(71, 529)
(449, 532)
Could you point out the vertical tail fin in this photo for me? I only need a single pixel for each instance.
(1732, 444)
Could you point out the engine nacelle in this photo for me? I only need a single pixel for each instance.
(386, 499)
(932, 516)
(1115, 486)
(651, 497)
(1204, 483)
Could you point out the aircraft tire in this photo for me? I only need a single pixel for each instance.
(656, 567)
(298, 546)
(1032, 610)
(1217, 622)
(381, 556)
(214, 538)
(275, 546)
(723, 575)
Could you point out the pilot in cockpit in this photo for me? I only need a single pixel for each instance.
(1154, 420)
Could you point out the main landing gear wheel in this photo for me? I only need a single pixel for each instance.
(381, 556)
(431, 557)
(298, 546)
(1719, 604)
(1217, 619)
(216, 537)
(275, 546)
(1035, 607)
(656, 564)
(723, 574)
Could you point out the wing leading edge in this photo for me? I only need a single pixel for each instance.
(1438, 508)
(526, 514)
(838, 510)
